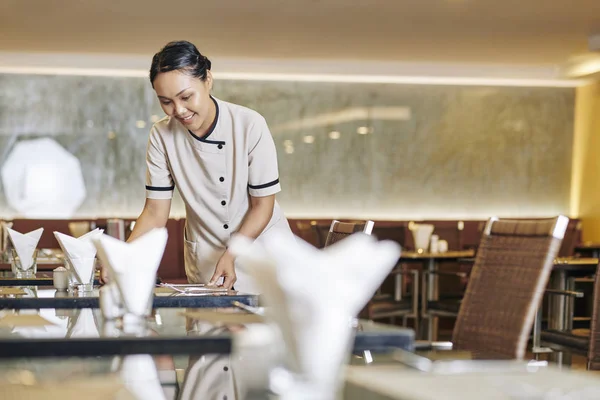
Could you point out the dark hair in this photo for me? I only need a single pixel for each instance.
(180, 55)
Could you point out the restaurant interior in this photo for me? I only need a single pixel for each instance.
(437, 167)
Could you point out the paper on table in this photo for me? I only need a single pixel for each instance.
(4, 291)
(24, 320)
(224, 318)
(315, 320)
(134, 265)
(94, 389)
(25, 244)
(80, 252)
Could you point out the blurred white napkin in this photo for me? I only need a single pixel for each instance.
(83, 325)
(133, 265)
(25, 244)
(313, 295)
(140, 376)
(81, 252)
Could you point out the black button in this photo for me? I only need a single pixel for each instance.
(225, 369)
(226, 226)
(222, 179)
(220, 146)
(223, 202)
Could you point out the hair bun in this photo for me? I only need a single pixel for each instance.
(207, 62)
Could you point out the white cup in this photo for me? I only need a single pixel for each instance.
(442, 246)
(433, 244)
(60, 277)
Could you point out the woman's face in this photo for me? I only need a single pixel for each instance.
(186, 98)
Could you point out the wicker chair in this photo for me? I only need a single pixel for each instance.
(511, 271)
(594, 337)
(341, 230)
(382, 306)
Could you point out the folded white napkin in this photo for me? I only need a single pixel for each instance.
(25, 244)
(312, 295)
(133, 265)
(80, 252)
(83, 325)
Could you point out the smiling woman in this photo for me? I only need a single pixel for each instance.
(181, 77)
(222, 159)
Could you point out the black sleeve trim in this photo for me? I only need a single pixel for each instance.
(266, 185)
(160, 189)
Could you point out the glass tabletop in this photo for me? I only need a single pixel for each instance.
(36, 297)
(83, 332)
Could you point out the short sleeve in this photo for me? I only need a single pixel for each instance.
(263, 173)
(159, 183)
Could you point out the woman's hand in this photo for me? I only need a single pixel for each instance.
(226, 269)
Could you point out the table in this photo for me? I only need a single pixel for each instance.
(47, 297)
(40, 279)
(591, 248)
(83, 332)
(564, 272)
(223, 377)
(429, 281)
(394, 382)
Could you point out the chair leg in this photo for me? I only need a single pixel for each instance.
(536, 347)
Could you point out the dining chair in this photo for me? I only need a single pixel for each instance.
(511, 270)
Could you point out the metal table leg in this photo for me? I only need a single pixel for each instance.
(557, 304)
(432, 295)
(398, 287)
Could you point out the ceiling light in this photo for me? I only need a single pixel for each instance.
(308, 139)
(362, 130)
(140, 124)
(111, 135)
(288, 143)
(289, 149)
(587, 65)
(334, 135)
(333, 118)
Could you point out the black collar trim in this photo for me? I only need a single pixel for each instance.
(211, 129)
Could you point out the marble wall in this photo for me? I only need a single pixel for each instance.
(429, 151)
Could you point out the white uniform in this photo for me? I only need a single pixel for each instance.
(215, 175)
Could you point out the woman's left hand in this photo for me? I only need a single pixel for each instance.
(226, 269)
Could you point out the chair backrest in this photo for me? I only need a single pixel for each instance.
(594, 347)
(340, 230)
(571, 240)
(511, 271)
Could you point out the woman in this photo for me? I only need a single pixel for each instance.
(222, 159)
